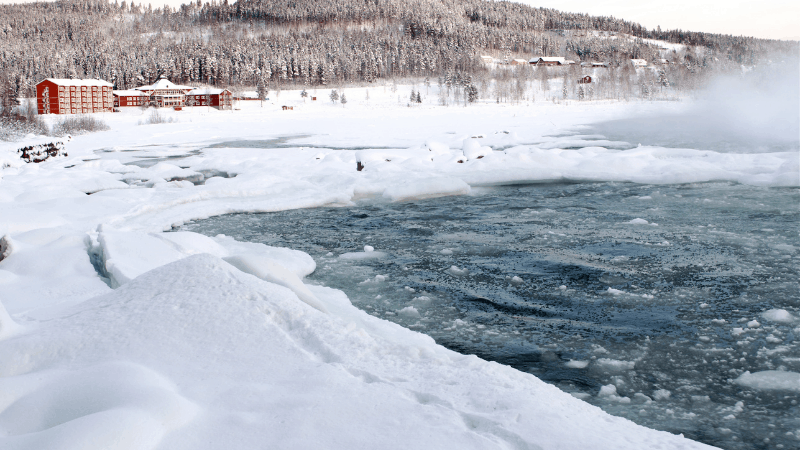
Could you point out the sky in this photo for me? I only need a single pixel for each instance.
(771, 19)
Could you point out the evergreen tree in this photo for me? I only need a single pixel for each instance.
(334, 96)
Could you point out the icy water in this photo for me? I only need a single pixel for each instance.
(647, 301)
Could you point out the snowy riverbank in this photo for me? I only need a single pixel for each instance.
(205, 343)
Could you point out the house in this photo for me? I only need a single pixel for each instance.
(518, 62)
(638, 63)
(548, 61)
(68, 96)
(130, 98)
(487, 59)
(164, 93)
(216, 98)
(248, 95)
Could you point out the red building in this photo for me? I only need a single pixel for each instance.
(130, 98)
(164, 93)
(217, 98)
(64, 96)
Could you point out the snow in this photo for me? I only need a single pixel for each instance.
(117, 333)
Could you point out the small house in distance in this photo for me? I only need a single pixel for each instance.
(548, 61)
(67, 96)
(638, 63)
(130, 98)
(518, 62)
(487, 59)
(216, 98)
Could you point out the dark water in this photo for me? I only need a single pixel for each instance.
(556, 281)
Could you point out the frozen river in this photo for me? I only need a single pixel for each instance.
(651, 302)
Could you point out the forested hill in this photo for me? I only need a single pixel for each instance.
(323, 42)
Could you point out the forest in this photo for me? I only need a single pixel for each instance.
(276, 43)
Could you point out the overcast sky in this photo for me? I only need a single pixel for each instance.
(774, 19)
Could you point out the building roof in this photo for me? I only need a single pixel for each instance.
(555, 59)
(162, 83)
(130, 93)
(77, 82)
(206, 91)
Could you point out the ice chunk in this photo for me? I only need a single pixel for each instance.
(269, 270)
(369, 248)
(615, 365)
(615, 292)
(126, 255)
(661, 394)
(456, 272)
(753, 324)
(778, 315)
(409, 311)
(472, 149)
(638, 221)
(573, 364)
(770, 380)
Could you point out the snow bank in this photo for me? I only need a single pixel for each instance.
(426, 188)
(221, 359)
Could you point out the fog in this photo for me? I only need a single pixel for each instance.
(756, 111)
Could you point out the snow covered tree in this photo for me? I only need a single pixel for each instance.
(343, 101)
(334, 96)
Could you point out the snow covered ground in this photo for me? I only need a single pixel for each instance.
(114, 334)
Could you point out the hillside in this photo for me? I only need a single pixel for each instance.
(314, 43)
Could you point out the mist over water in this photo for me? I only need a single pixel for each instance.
(756, 111)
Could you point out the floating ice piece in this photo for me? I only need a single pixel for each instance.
(770, 380)
(638, 221)
(409, 311)
(517, 280)
(609, 392)
(615, 365)
(446, 251)
(369, 248)
(661, 394)
(778, 315)
(456, 272)
(753, 324)
(615, 292)
(573, 364)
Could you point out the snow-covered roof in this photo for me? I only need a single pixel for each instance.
(77, 82)
(162, 83)
(249, 94)
(639, 62)
(205, 91)
(556, 59)
(130, 93)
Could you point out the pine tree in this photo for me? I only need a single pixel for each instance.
(344, 99)
(334, 96)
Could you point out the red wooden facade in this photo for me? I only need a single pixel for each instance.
(64, 96)
(216, 98)
(130, 98)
